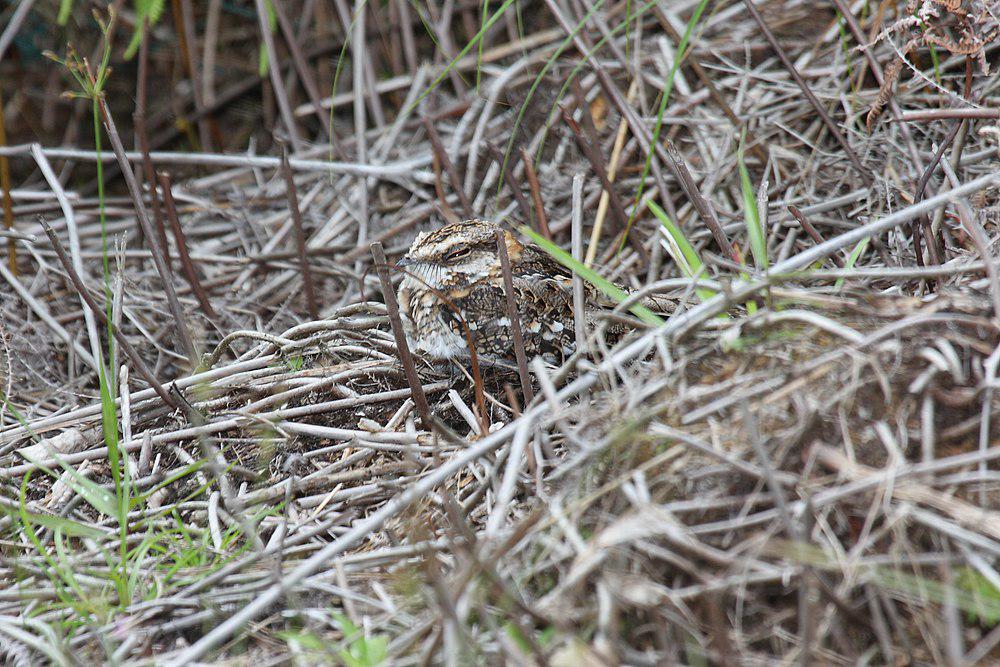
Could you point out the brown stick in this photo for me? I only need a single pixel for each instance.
(416, 389)
(180, 321)
(139, 120)
(442, 157)
(123, 341)
(515, 319)
(512, 185)
(815, 103)
(175, 225)
(621, 219)
(300, 235)
(8, 204)
(704, 208)
(811, 231)
(305, 74)
(536, 194)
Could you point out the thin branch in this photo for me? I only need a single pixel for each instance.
(515, 319)
(182, 250)
(300, 236)
(180, 320)
(417, 389)
(123, 341)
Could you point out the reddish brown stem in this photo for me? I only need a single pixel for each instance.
(300, 235)
(442, 158)
(175, 225)
(180, 321)
(804, 87)
(536, 194)
(123, 341)
(811, 231)
(409, 368)
(148, 173)
(703, 206)
(515, 319)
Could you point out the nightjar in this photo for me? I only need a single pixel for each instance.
(460, 262)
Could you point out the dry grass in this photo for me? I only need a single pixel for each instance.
(798, 466)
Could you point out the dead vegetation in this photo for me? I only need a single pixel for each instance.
(798, 465)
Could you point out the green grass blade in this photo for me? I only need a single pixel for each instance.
(263, 59)
(591, 276)
(65, 7)
(497, 15)
(852, 259)
(755, 230)
(479, 49)
(682, 252)
(53, 522)
(96, 496)
(668, 86)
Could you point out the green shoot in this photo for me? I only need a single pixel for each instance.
(147, 14)
(852, 259)
(479, 49)
(668, 86)
(65, 8)
(682, 252)
(263, 59)
(96, 496)
(755, 230)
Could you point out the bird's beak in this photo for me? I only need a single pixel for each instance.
(405, 261)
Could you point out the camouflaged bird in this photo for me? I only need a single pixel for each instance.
(460, 262)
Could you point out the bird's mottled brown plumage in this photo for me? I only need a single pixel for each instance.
(460, 262)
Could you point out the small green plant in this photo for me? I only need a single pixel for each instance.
(984, 597)
(128, 552)
(543, 638)
(360, 650)
(147, 14)
(91, 87)
(307, 642)
(756, 233)
(970, 592)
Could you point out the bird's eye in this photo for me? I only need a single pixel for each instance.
(457, 253)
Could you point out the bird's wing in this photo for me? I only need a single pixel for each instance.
(537, 263)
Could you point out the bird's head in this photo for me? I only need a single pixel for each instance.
(463, 252)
